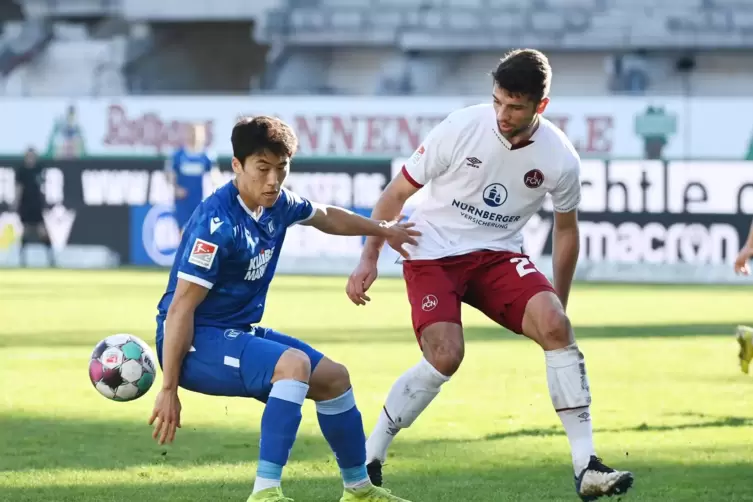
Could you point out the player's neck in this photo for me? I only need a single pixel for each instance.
(254, 207)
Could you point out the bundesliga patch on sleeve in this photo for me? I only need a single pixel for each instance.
(203, 253)
(418, 154)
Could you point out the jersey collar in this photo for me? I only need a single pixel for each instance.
(253, 215)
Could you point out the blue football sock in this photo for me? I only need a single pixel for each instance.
(279, 427)
(341, 424)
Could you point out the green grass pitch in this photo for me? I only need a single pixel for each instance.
(670, 403)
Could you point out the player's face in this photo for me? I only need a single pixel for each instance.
(260, 178)
(515, 113)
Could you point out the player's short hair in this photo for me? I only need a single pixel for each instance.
(524, 72)
(254, 135)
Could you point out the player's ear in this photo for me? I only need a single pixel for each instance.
(237, 165)
(542, 106)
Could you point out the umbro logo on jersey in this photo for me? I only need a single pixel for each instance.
(473, 162)
(214, 224)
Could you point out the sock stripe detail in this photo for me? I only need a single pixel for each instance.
(269, 470)
(292, 391)
(387, 413)
(338, 405)
(354, 475)
(572, 409)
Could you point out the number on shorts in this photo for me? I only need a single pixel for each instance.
(520, 268)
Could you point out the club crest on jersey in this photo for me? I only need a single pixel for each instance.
(495, 195)
(533, 178)
(258, 264)
(202, 253)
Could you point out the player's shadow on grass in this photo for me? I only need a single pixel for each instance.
(321, 336)
(29, 442)
(440, 480)
(644, 427)
(633, 331)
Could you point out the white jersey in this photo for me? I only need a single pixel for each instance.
(481, 190)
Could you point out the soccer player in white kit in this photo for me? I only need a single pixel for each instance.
(487, 170)
(745, 333)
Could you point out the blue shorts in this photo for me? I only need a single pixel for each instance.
(232, 362)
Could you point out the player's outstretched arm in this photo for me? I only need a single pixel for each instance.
(177, 342)
(388, 207)
(566, 247)
(746, 253)
(339, 221)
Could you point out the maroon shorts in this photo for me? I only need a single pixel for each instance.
(498, 283)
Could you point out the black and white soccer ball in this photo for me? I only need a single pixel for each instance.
(122, 367)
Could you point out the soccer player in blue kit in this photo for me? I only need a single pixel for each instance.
(208, 340)
(186, 170)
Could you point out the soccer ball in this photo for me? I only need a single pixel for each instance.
(122, 367)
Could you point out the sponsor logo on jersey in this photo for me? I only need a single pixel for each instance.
(271, 227)
(203, 253)
(473, 162)
(495, 195)
(533, 178)
(258, 264)
(484, 217)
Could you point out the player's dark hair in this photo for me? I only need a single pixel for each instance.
(254, 135)
(524, 72)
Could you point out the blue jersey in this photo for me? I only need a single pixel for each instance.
(189, 168)
(234, 253)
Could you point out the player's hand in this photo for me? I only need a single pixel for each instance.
(398, 234)
(180, 192)
(361, 280)
(166, 416)
(742, 265)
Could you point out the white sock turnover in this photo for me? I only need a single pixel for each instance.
(409, 396)
(571, 397)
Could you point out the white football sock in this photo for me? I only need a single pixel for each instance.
(571, 397)
(263, 483)
(409, 396)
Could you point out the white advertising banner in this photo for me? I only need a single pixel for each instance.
(610, 127)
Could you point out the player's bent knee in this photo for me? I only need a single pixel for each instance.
(293, 365)
(443, 346)
(555, 329)
(329, 381)
(546, 323)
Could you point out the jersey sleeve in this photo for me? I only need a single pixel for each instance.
(209, 242)
(566, 195)
(296, 209)
(433, 157)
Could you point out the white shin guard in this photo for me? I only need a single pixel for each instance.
(410, 395)
(567, 378)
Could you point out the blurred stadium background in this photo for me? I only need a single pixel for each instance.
(656, 96)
